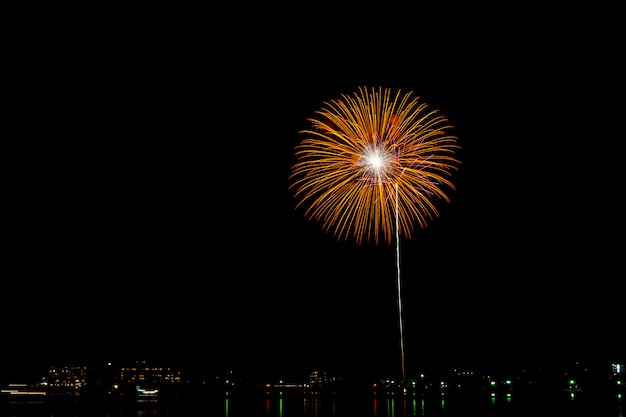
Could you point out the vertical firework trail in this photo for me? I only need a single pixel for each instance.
(362, 150)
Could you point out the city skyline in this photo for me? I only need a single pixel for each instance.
(65, 378)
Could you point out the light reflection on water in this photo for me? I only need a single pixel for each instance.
(299, 405)
(290, 405)
(328, 405)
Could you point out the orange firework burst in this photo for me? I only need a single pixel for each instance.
(371, 159)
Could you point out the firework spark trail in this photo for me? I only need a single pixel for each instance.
(399, 287)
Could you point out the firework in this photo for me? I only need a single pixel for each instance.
(371, 164)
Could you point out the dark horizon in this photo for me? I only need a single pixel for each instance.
(295, 366)
(355, 374)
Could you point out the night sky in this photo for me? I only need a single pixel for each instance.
(147, 214)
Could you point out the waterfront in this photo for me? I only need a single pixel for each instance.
(144, 390)
(278, 404)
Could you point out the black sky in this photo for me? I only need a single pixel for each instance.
(147, 211)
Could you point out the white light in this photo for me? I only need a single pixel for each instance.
(375, 161)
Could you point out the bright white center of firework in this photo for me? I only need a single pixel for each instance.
(375, 161)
